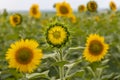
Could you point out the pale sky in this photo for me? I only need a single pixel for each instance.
(12, 5)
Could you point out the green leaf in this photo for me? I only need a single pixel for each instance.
(106, 77)
(36, 75)
(61, 63)
(74, 63)
(79, 73)
(105, 61)
(117, 77)
(91, 70)
(48, 55)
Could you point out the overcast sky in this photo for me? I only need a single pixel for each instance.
(12, 5)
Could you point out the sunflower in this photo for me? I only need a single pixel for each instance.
(57, 35)
(34, 11)
(72, 18)
(113, 6)
(97, 18)
(15, 19)
(81, 8)
(95, 49)
(24, 55)
(63, 9)
(92, 6)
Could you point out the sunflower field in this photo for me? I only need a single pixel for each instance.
(60, 45)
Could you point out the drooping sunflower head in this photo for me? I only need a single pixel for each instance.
(57, 35)
(15, 19)
(73, 18)
(113, 6)
(97, 18)
(95, 49)
(81, 8)
(34, 11)
(24, 55)
(92, 6)
(63, 9)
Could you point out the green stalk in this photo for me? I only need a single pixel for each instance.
(61, 68)
(24, 76)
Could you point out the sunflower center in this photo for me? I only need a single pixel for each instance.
(15, 19)
(95, 47)
(34, 10)
(56, 34)
(24, 55)
(64, 10)
(93, 6)
(113, 6)
(82, 8)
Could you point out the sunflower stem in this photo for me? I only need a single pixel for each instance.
(95, 76)
(61, 68)
(24, 77)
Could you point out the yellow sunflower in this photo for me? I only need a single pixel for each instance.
(73, 18)
(34, 11)
(92, 6)
(57, 35)
(15, 19)
(113, 6)
(97, 18)
(95, 49)
(63, 9)
(81, 8)
(24, 55)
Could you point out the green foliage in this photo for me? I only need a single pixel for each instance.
(75, 67)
